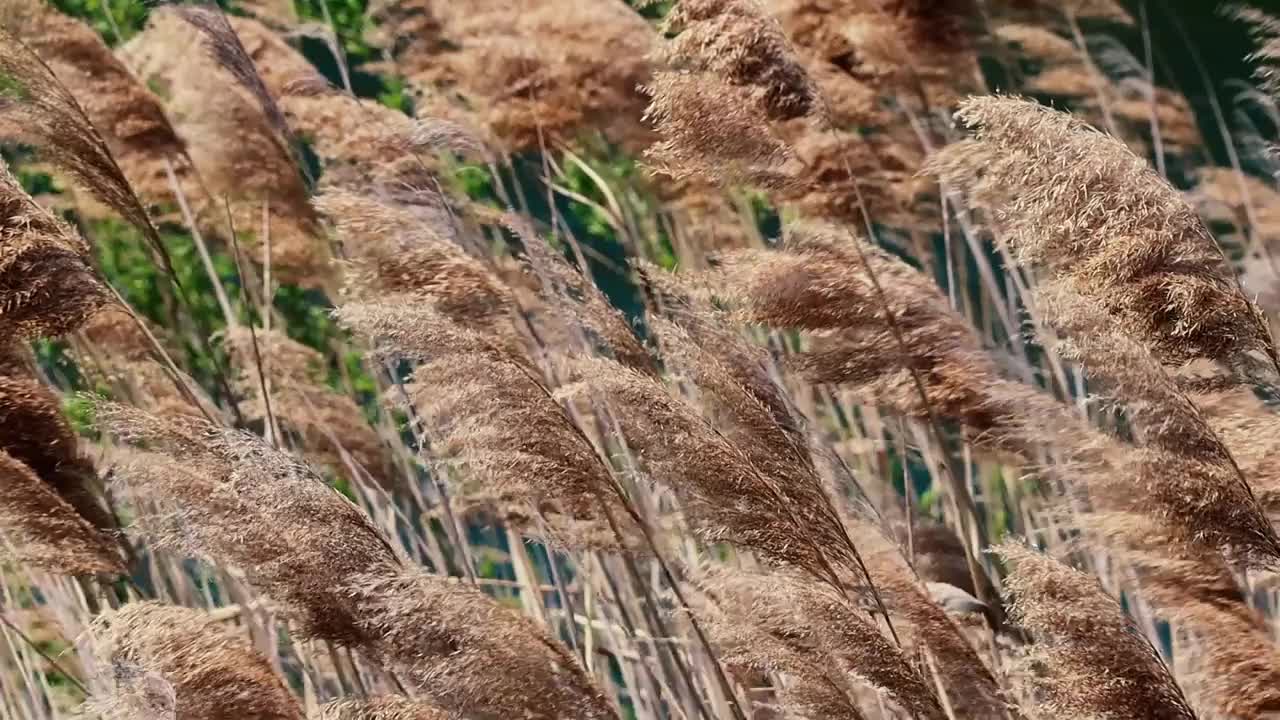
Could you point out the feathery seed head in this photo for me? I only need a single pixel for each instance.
(1093, 661)
(212, 673)
(1077, 202)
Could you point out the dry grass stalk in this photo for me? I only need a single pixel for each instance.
(1089, 660)
(47, 282)
(47, 532)
(236, 500)
(811, 636)
(213, 673)
(1078, 203)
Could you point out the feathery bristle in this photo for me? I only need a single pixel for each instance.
(1076, 201)
(213, 674)
(131, 119)
(384, 708)
(47, 532)
(1191, 585)
(1092, 661)
(727, 497)
(476, 657)
(36, 108)
(711, 131)
(735, 41)
(47, 284)
(814, 638)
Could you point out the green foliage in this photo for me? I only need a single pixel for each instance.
(115, 20)
(80, 413)
(13, 88)
(349, 23)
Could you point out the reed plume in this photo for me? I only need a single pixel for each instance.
(1252, 431)
(212, 672)
(748, 478)
(1235, 663)
(47, 282)
(224, 46)
(1078, 203)
(817, 285)
(386, 708)
(1190, 477)
(737, 42)
(34, 431)
(36, 108)
(724, 495)
(329, 424)
(482, 403)
(710, 131)
(239, 501)
(43, 530)
(578, 303)
(132, 120)
(471, 654)
(392, 249)
(239, 153)
(811, 636)
(1089, 660)
(549, 72)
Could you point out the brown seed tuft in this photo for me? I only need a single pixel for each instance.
(1089, 660)
(212, 672)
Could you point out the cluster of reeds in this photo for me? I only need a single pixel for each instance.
(479, 420)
